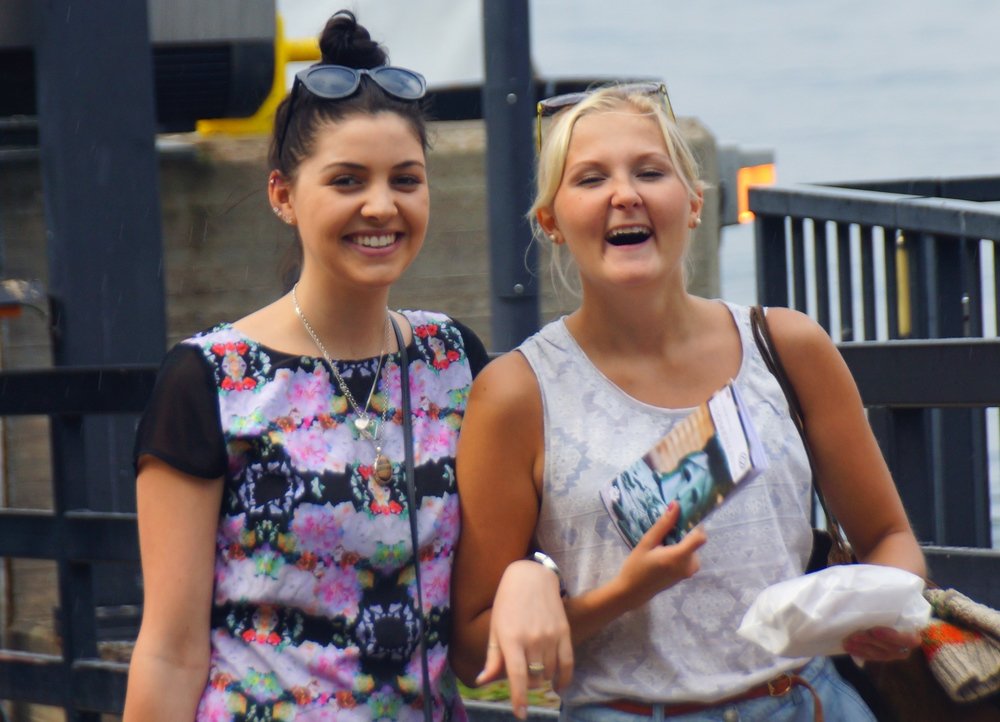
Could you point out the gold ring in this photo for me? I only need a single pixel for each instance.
(536, 668)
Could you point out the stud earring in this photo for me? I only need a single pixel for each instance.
(697, 221)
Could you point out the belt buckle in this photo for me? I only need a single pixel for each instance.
(780, 685)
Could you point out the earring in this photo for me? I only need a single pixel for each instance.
(279, 214)
(697, 221)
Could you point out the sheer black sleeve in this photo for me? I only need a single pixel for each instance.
(475, 351)
(181, 424)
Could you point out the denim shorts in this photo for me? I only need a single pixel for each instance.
(841, 703)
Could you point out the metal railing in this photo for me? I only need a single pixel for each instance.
(75, 537)
(904, 275)
(880, 262)
(907, 285)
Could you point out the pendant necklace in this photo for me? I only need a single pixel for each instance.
(368, 426)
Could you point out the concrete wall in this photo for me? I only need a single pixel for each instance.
(223, 248)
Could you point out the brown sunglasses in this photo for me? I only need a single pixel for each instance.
(551, 106)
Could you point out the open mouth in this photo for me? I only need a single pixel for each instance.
(628, 235)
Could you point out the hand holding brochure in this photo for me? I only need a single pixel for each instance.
(702, 460)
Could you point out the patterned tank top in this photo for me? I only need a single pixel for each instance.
(683, 644)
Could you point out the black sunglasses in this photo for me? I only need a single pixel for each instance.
(333, 82)
(551, 106)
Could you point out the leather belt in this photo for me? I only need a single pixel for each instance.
(777, 687)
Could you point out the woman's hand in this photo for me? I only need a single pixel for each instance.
(652, 567)
(649, 568)
(881, 644)
(529, 634)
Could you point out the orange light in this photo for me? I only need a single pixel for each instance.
(12, 311)
(751, 175)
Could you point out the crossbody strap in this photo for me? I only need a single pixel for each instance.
(768, 352)
(411, 505)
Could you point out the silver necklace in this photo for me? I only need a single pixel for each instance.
(370, 428)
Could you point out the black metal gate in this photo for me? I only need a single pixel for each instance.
(904, 274)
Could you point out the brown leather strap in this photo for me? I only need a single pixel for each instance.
(777, 687)
(795, 679)
(768, 352)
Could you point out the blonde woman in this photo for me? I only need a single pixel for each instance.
(654, 629)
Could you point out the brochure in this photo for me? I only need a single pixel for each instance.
(701, 461)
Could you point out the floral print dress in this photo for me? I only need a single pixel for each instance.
(315, 606)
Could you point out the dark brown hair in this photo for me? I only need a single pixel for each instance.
(342, 42)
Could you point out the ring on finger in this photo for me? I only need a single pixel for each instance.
(536, 668)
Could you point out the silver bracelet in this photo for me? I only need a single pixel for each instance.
(546, 561)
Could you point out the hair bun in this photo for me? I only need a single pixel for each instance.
(345, 42)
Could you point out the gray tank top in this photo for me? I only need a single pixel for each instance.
(683, 644)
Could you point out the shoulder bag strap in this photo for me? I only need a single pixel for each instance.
(411, 505)
(762, 337)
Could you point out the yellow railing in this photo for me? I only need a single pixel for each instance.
(285, 51)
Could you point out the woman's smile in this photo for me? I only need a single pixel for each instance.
(377, 241)
(628, 235)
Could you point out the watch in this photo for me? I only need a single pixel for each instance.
(546, 561)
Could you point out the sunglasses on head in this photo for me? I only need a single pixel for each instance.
(334, 82)
(551, 106)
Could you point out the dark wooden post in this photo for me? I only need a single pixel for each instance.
(99, 168)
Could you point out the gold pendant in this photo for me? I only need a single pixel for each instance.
(383, 469)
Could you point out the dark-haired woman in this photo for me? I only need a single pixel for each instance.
(277, 550)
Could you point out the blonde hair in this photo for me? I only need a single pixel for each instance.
(555, 147)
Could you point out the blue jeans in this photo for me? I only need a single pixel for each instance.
(841, 703)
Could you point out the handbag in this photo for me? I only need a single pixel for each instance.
(956, 677)
(411, 500)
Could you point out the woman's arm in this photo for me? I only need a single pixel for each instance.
(850, 468)
(500, 466)
(178, 520)
(498, 451)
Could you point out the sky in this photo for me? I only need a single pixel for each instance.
(841, 90)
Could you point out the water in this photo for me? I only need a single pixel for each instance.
(839, 90)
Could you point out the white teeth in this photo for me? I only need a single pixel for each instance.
(380, 241)
(628, 230)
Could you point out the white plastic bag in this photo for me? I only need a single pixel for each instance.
(811, 615)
